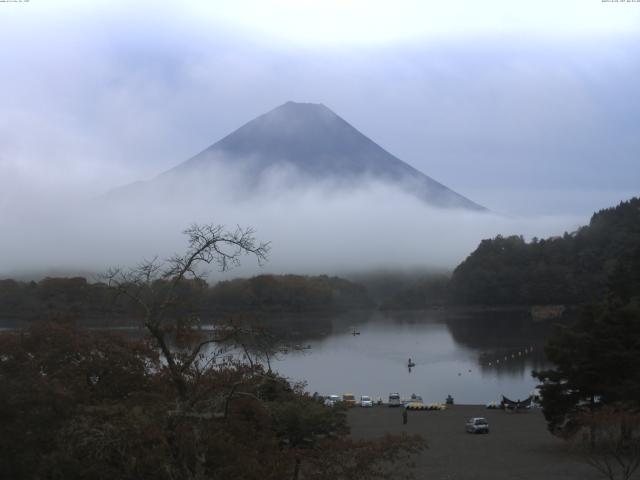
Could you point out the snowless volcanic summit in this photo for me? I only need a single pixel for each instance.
(316, 145)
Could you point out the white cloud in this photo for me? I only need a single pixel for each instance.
(365, 22)
(321, 229)
(526, 107)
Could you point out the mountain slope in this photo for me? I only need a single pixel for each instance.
(572, 269)
(317, 146)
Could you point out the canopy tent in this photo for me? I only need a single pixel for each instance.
(517, 404)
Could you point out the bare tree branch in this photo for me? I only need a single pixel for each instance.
(610, 442)
(152, 283)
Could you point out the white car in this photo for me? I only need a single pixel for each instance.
(366, 401)
(394, 400)
(477, 425)
(332, 400)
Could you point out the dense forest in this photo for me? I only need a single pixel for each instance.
(292, 293)
(97, 303)
(591, 393)
(425, 292)
(571, 269)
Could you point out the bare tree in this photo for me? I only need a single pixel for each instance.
(609, 441)
(153, 286)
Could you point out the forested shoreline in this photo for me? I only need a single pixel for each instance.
(100, 304)
(567, 270)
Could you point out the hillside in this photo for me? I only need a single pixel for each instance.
(574, 268)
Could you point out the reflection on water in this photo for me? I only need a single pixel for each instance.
(474, 358)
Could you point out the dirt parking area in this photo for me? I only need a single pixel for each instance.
(519, 446)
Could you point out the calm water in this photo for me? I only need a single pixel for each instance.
(474, 357)
(463, 356)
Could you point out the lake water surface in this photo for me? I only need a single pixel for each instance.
(474, 358)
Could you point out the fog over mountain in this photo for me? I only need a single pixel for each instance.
(525, 109)
(327, 198)
(302, 144)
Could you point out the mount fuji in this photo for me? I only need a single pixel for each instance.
(310, 141)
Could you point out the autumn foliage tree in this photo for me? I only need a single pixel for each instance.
(53, 376)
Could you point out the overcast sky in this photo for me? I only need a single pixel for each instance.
(525, 107)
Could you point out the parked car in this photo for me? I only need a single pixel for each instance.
(349, 399)
(394, 400)
(331, 400)
(366, 401)
(413, 398)
(415, 403)
(477, 425)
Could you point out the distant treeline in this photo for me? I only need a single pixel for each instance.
(572, 269)
(98, 303)
(291, 293)
(425, 292)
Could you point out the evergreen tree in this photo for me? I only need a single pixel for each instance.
(597, 360)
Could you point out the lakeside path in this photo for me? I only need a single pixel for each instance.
(519, 446)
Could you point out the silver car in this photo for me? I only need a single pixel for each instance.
(332, 400)
(365, 401)
(477, 425)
